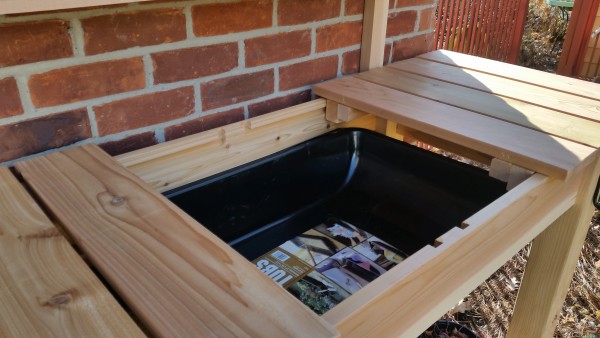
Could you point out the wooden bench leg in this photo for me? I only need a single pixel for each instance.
(552, 261)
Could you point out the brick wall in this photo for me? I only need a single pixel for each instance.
(128, 76)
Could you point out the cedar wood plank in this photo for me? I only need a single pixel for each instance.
(522, 146)
(559, 101)
(517, 73)
(514, 111)
(179, 278)
(47, 289)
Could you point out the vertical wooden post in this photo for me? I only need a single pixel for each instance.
(373, 42)
(549, 270)
(373, 38)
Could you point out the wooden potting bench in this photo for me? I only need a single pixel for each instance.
(538, 131)
(89, 247)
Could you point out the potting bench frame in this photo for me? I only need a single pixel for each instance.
(178, 279)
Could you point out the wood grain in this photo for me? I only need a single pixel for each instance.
(177, 277)
(522, 146)
(47, 289)
(551, 264)
(517, 73)
(443, 144)
(172, 164)
(518, 112)
(408, 298)
(372, 47)
(543, 97)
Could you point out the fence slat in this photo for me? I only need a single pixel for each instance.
(487, 28)
(475, 26)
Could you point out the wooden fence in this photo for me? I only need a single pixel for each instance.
(590, 68)
(487, 28)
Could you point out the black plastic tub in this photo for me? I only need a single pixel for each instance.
(402, 194)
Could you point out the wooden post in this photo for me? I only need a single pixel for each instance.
(373, 42)
(553, 257)
(373, 38)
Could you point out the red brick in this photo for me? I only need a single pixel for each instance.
(293, 12)
(10, 102)
(308, 72)
(339, 35)
(401, 23)
(130, 143)
(144, 110)
(354, 7)
(407, 48)
(36, 135)
(192, 63)
(236, 89)
(278, 103)
(410, 3)
(225, 18)
(278, 47)
(139, 28)
(204, 123)
(34, 41)
(427, 21)
(351, 62)
(84, 82)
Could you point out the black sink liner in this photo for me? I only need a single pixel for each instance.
(402, 194)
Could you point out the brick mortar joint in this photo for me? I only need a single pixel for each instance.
(140, 51)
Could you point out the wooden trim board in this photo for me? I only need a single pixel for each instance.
(177, 277)
(170, 165)
(47, 289)
(175, 163)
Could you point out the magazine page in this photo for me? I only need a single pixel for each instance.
(326, 264)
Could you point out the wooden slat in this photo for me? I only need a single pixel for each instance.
(373, 36)
(443, 144)
(179, 278)
(407, 299)
(524, 147)
(527, 75)
(571, 104)
(169, 165)
(46, 289)
(506, 109)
